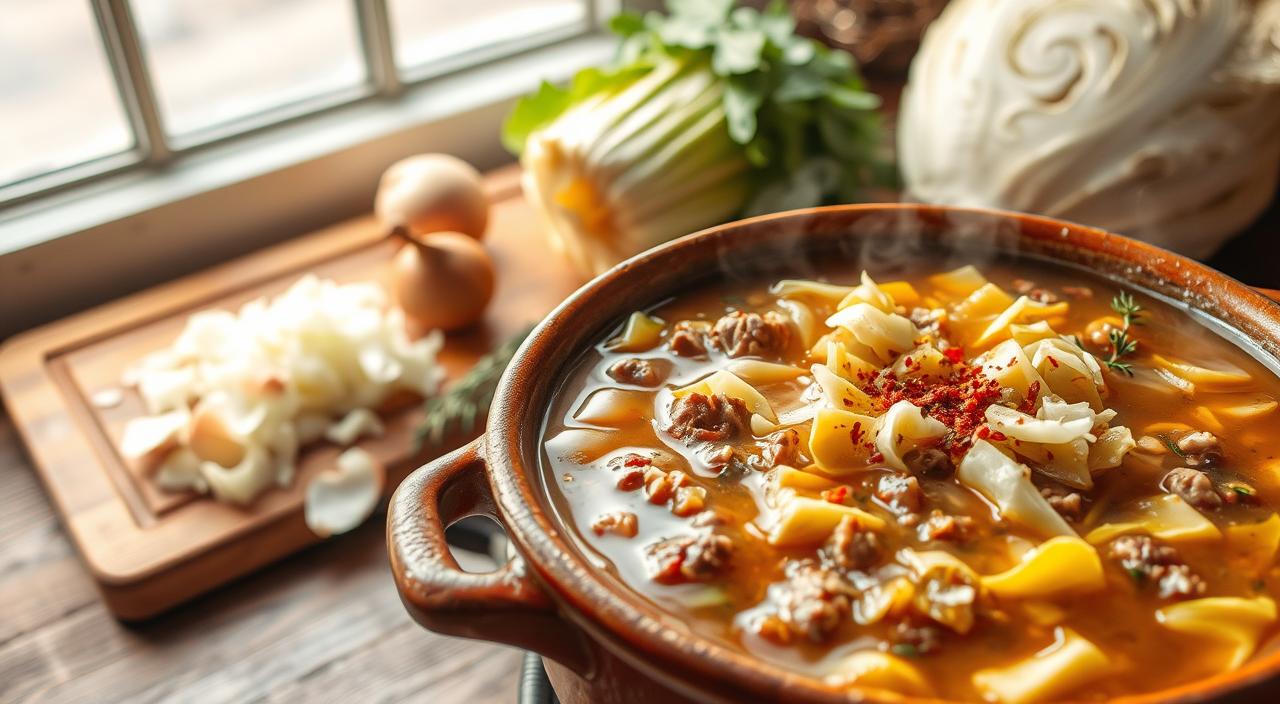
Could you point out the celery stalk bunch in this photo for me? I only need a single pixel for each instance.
(708, 113)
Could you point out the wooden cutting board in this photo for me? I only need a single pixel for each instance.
(149, 550)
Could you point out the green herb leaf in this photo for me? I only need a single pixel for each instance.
(532, 112)
(1137, 575)
(1121, 344)
(1173, 446)
(467, 400)
(741, 101)
(787, 99)
(625, 24)
(906, 650)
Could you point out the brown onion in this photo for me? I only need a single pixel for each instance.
(433, 193)
(442, 280)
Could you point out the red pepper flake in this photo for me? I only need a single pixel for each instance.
(836, 495)
(855, 434)
(959, 399)
(908, 362)
(955, 355)
(984, 432)
(1028, 405)
(877, 457)
(998, 436)
(634, 460)
(1013, 362)
(1053, 361)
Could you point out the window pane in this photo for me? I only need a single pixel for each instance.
(432, 30)
(58, 103)
(216, 62)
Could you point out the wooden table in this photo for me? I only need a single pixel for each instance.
(324, 625)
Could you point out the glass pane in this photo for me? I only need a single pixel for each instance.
(215, 62)
(433, 30)
(58, 103)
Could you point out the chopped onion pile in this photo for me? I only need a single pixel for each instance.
(236, 395)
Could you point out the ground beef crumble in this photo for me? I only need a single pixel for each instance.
(782, 447)
(688, 339)
(688, 558)
(900, 492)
(944, 526)
(637, 372)
(623, 523)
(1150, 562)
(1069, 504)
(810, 604)
(1200, 449)
(1194, 486)
(929, 462)
(912, 638)
(741, 334)
(630, 469)
(852, 547)
(715, 418)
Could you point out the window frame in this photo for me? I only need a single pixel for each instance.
(117, 224)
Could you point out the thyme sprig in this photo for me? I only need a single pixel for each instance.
(1122, 345)
(468, 399)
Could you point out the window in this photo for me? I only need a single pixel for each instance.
(146, 139)
(89, 88)
(58, 102)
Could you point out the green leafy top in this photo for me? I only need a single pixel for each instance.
(799, 110)
(467, 400)
(1122, 345)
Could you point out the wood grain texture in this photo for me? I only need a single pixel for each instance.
(322, 626)
(148, 549)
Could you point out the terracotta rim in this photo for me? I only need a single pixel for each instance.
(639, 632)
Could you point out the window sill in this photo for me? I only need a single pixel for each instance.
(134, 230)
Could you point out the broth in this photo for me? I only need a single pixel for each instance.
(778, 586)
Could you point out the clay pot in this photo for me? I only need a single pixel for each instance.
(604, 643)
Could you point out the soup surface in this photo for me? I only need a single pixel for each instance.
(1018, 484)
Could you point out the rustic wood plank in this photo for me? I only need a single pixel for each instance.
(327, 620)
(41, 579)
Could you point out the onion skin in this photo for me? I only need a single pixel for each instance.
(433, 193)
(442, 280)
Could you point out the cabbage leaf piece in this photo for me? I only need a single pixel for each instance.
(1009, 366)
(1007, 484)
(888, 334)
(1167, 517)
(838, 392)
(1071, 373)
(959, 282)
(808, 289)
(1204, 378)
(870, 293)
(903, 427)
(946, 588)
(1058, 566)
(838, 440)
(803, 521)
(1068, 664)
(872, 668)
(1234, 623)
(1255, 544)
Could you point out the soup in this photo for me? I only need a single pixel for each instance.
(1015, 484)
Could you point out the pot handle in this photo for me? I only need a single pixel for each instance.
(505, 606)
